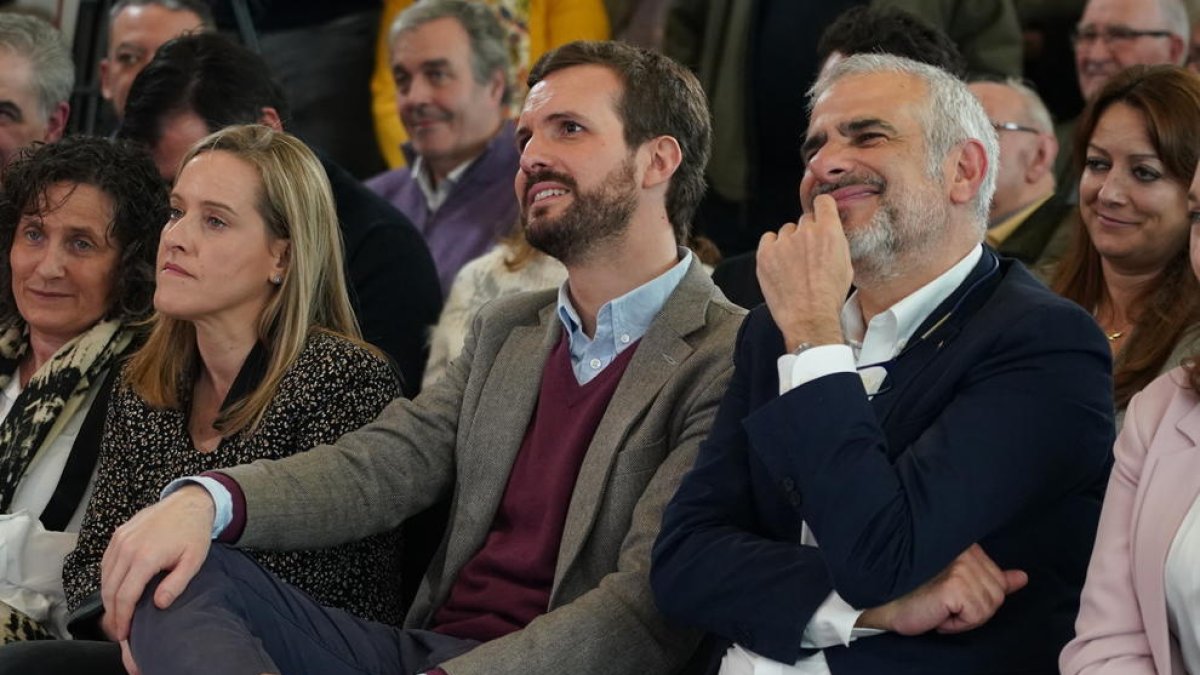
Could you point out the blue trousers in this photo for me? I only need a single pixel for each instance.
(236, 618)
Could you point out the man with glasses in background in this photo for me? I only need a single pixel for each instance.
(1111, 36)
(1025, 211)
(1115, 34)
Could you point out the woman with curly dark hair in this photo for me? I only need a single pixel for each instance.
(79, 226)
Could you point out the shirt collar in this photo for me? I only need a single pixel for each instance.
(627, 318)
(1003, 229)
(436, 196)
(889, 331)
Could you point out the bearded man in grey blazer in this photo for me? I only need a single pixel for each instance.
(561, 432)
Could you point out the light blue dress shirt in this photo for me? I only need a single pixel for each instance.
(619, 323)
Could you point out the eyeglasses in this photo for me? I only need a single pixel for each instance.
(1013, 126)
(1111, 35)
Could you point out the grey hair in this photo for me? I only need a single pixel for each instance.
(197, 7)
(42, 44)
(1175, 17)
(1035, 108)
(952, 115)
(489, 52)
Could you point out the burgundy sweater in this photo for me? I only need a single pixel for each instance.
(507, 583)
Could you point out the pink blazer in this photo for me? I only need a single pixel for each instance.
(1122, 625)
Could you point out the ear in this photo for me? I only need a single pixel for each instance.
(1043, 160)
(56, 124)
(1176, 49)
(970, 166)
(105, 84)
(281, 251)
(665, 158)
(270, 118)
(496, 87)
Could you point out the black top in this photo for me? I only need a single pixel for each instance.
(393, 283)
(333, 387)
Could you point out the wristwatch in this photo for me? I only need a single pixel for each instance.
(802, 347)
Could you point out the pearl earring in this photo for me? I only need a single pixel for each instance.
(277, 279)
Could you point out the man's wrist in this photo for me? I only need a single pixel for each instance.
(812, 336)
(877, 618)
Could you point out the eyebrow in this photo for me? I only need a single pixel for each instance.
(212, 204)
(1141, 156)
(12, 110)
(849, 128)
(218, 205)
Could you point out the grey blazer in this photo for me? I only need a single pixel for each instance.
(463, 434)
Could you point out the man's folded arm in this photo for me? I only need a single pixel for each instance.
(1028, 424)
(712, 567)
(367, 482)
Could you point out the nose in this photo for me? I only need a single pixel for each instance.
(52, 263)
(1112, 190)
(175, 234)
(415, 92)
(828, 163)
(1093, 49)
(534, 156)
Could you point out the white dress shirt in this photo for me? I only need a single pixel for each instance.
(1182, 585)
(436, 196)
(31, 557)
(868, 350)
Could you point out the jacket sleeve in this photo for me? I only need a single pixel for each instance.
(715, 566)
(614, 628)
(1029, 421)
(1110, 638)
(368, 481)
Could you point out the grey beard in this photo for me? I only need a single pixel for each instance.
(904, 228)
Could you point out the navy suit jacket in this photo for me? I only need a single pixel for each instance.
(996, 427)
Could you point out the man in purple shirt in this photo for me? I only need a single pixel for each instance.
(450, 63)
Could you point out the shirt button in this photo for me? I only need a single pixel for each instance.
(596, 364)
(625, 339)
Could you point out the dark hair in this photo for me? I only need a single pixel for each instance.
(887, 30)
(1169, 99)
(120, 170)
(206, 73)
(197, 7)
(660, 98)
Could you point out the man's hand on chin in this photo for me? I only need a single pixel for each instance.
(963, 597)
(805, 274)
(173, 534)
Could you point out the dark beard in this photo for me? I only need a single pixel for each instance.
(592, 219)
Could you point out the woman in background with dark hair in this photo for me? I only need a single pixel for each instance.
(1139, 613)
(79, 224)
(1128, 262)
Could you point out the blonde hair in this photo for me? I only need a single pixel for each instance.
(296, 204)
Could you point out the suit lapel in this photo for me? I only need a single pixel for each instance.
(937, 330)
(659, 353)
(506, 402)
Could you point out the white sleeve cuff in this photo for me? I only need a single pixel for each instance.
(222, 500)
(795, 370)
(833, 625)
